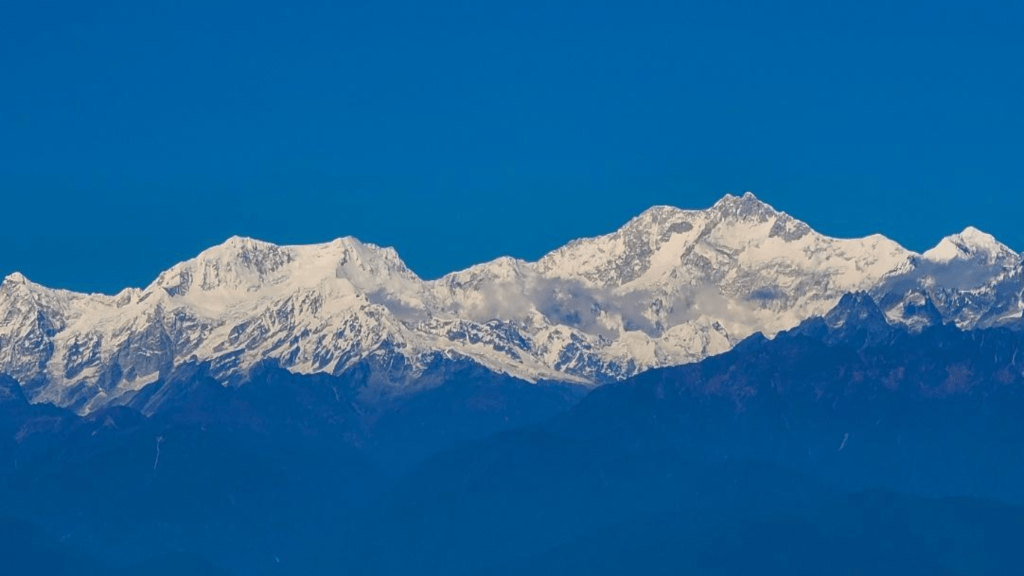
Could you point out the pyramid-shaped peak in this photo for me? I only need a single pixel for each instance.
(977, 237)
(859, 303)
(857, 318)
(855, 309)
(970, 244)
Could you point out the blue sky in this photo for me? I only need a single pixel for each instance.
(133, 137)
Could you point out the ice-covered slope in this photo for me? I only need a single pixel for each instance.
(671, 286)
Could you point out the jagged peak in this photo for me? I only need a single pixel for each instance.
(661, 218)
(730, 198)
(854, 311)
(744, 207)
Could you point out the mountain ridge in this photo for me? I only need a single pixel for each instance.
(670, 287)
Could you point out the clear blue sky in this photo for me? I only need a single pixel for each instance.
(132, 138)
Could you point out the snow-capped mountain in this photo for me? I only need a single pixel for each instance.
(969, 279)
(670, 287)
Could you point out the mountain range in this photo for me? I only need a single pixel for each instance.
(717, 392)
(846, 445)
(670, 287)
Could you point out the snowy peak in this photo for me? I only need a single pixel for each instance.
(657, 219)
(750, 213)
(15, 278)
(244, 265)
(499, 270)
(17, 284)
(240, 264)
(740, 263)
(18, 291)
(15, 287)
(367, 265)
(624, 255)
(972, 244)
(667, 240)
(662, 237)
